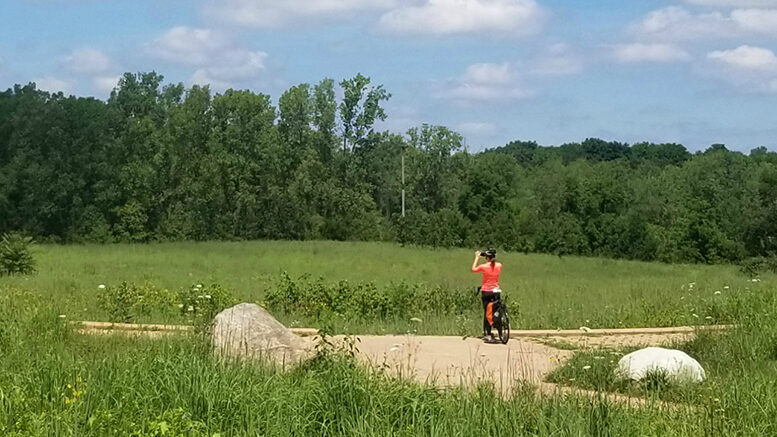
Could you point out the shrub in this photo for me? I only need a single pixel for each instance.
(15, 255)
(200, 304)
(315, 298)
(128, 301)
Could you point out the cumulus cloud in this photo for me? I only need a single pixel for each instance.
(218, 59)
(656, 52)
(476, 128)
(87, 60)
(750, 68)
(53, 84)
(105, 84)
(763, 21)
(746, 58)
(484, 83)
(449, 17)
(736, 3)
(557, 60)
(678, 23)
(275, 13)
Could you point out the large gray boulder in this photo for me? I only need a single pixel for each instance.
(676, 365)
(248, 330)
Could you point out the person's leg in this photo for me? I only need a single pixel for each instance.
(487, 300)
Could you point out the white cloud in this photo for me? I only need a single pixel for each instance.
(557, 60)
(218, 59)
(277, 13)
(656, 52)
(736, 3)
(746, 58)
(477, 128)
(87, 60)
(448, 17)
(675, 23)
(484, 83)
(763, 21)
(52, 84)
(105, 84)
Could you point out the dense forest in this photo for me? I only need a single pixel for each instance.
(161, 162)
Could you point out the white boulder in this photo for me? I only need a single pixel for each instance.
(248, 330)
(676, 365)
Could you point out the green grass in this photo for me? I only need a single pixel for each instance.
(550, 292)
(56, 382)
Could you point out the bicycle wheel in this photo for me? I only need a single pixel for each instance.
(503, 325)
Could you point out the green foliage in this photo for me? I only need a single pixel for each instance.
(127, 301)
(315, 298)
(200, 304)
(162, 162)
(15, 255)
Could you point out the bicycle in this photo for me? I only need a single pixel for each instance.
(502, 321)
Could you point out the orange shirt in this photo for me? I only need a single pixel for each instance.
(490, 276)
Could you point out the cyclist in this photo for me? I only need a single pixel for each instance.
(489, 290)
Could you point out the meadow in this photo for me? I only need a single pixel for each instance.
(545, 291)
(57, 382)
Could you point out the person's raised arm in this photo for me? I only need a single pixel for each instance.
(475, 263)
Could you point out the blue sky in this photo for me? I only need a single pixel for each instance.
(691, 71)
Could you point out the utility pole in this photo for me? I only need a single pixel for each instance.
(403, 180)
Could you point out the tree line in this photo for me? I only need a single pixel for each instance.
(158, 162)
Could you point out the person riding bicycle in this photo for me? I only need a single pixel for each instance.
(489, 289)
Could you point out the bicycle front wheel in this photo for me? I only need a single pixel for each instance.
(503, 327)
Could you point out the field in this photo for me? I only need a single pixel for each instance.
(58, 382)
(547, 291)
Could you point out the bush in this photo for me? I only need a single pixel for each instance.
(201, 304)
(15, 255)
(315, 298)
(128, 301)
(757, 265)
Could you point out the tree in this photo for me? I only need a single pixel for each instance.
(360, 108)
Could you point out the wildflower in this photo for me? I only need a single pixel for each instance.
(708, 317)
(207, 296)
(598, 358)
(726, 287)
(586, 367)
(191, 308)
(416, 320)
(585, 329)
(101, 287)
(180, 305)
(695, 315)
(199, 285)
(717, 292)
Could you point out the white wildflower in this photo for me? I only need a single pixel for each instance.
(207, 296)
(695, 315)
(708, 317)
(416, 320)
(585, 329)
(62, 316)
(101, 287)
(717, 292)
(586, 367)
(726, 287)
(191, 308)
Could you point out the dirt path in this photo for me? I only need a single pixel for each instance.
(448, 361)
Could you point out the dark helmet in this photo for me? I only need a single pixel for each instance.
(489, 253)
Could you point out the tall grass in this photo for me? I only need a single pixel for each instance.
(548, 291)
(58, 383)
